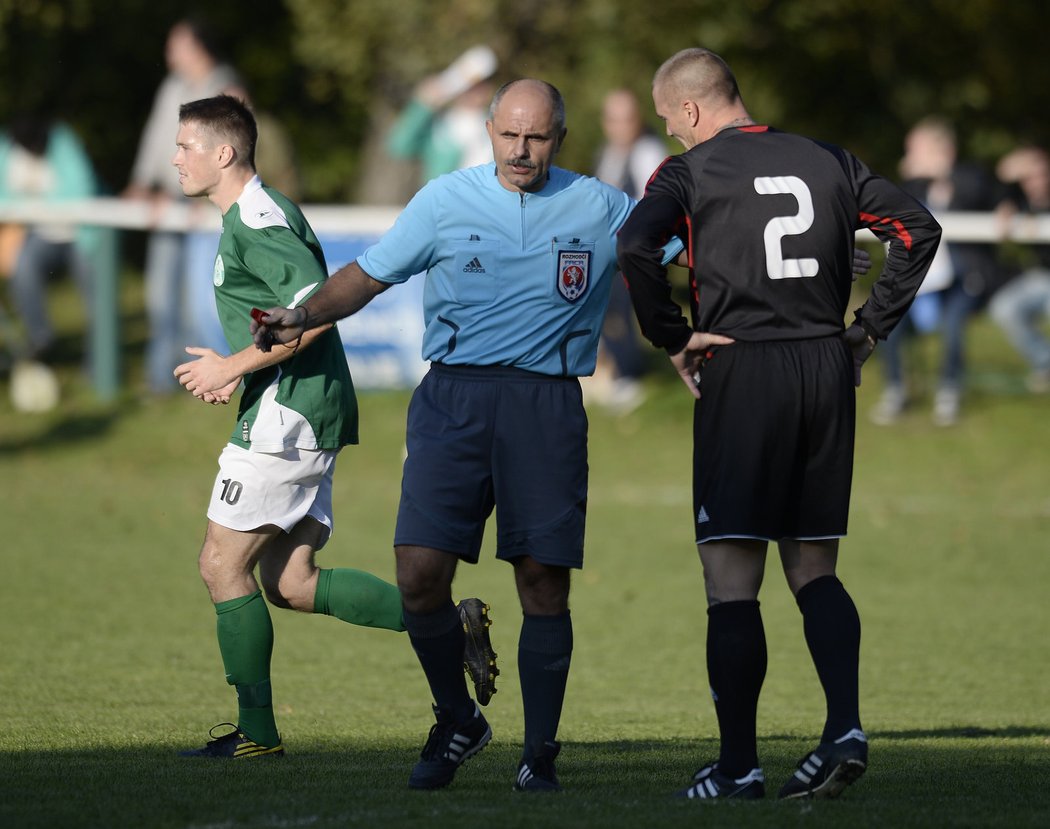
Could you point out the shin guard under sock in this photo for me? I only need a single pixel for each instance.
(832, 628)
(736, 668)
(245, 634)
(438, 641)
(544, 655)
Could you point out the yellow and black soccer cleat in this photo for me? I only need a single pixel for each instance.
(233, 746)
(479, 660)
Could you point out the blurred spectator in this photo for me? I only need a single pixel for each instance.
(960, 278)
(195, 71)
(43, 159)
(629, 156)
(443, 124)
(1023, 304)
(631, 152)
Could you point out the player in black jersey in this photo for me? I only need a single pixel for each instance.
(770, 219)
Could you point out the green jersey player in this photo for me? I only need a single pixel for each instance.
(271, 504)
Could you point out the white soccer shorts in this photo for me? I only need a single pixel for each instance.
(253, 489)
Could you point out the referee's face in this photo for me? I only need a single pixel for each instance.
(524, 138)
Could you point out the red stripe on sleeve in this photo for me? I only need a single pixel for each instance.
(657, 170)
(689, 254)
(901, 232)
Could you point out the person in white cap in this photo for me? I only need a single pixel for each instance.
(443, 125)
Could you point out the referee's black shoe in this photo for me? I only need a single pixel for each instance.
(710, 784)
(536, 774)
(829, 768)
(449, 745)
(479, 659)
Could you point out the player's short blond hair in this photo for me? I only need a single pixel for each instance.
(698, 74)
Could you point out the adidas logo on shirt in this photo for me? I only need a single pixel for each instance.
(474, 266)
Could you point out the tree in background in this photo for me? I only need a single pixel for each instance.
(335, 72)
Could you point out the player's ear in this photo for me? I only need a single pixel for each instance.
(692, 111)
(227, 155)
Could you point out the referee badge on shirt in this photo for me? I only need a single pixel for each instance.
(573, 274)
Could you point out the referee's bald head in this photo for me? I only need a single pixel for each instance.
(557, 103)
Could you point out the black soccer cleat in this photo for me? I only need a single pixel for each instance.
(448, 746)
(536, 774)
(233, 746)
(830, 768)
(479, 660)
(710, 784)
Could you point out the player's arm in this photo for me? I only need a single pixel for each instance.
(214, 378)
(644, 255)
(345, 292)
(640, 250)
(912, 235)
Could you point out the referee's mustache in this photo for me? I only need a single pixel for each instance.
(521, 162)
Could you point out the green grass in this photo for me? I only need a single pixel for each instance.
(108, 662)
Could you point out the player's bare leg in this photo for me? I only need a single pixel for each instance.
(804, 561)
(832, 629)
(733, 569)
(287, 569)
(292, 579)
(228, 558)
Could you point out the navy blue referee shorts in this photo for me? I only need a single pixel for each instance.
(492, 436)
(773, 441)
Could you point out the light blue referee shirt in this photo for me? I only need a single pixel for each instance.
(512, 279)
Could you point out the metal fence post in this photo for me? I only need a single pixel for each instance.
(105, 312)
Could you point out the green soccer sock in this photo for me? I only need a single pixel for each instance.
(246, 643)
(358, 598)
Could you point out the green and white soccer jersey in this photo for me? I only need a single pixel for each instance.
(269, 255)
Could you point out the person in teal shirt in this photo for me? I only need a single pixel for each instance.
(443, 125)
(41, 159)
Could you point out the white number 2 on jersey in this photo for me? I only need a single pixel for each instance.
(780, 226)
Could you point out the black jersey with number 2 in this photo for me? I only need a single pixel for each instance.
(771, 219)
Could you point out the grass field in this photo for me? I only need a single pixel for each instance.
(109, 663)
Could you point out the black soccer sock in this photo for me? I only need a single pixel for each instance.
(438, 641)
(544, 654)
(832, 628)
(736, 668)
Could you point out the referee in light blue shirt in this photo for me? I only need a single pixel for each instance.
(518, 257)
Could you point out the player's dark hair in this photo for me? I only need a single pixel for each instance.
(202, 31)
(228, 119)
(32, 132)
(557, 101)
